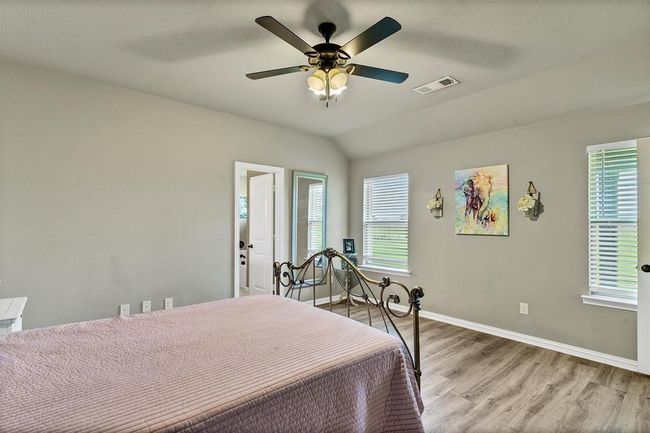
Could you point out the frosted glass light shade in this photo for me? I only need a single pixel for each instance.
(316, 81)
(338, 79)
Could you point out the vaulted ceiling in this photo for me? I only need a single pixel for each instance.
(198, 52)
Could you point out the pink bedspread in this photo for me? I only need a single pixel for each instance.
(253, 364)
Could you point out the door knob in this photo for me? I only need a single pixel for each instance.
(251, 246)
(645, 268)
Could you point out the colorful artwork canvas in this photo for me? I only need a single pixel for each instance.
(482, 201)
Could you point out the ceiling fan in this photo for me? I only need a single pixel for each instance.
(328, 60)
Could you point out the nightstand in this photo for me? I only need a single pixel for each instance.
(11, 315)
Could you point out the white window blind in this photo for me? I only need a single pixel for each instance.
(315, 218)
(385, 221)
(613, 220)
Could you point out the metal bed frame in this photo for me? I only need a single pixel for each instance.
(297, 277)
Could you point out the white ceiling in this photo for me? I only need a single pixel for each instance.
(198, 52)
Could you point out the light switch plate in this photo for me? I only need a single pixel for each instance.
(169, 303)
(146, 306)
(124, 310)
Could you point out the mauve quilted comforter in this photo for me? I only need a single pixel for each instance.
(252, 364)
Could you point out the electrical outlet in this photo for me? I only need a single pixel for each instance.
(146, 306)
(124, 310)
(169, 303)
(523, 308)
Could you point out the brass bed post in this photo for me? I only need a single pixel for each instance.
(348, 289)
(415, 296)
(330, 271)
(313, 287)
(276, 276)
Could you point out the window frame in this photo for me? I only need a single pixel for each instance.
(311, 222)
(367, 262)
(608, 296)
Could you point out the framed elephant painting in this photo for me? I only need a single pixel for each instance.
(482, 201)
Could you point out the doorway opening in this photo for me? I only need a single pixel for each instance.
(258, 226)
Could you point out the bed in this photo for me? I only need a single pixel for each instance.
(252, 364)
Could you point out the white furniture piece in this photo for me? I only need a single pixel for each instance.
(11, 315)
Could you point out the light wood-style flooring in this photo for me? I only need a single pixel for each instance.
(475, 382)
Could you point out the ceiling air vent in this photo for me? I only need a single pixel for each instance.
(438, 84)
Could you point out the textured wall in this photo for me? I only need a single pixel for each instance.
(111, 196)
(543, 263)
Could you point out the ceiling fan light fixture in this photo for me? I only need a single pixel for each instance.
(338, 91)
(338, 79)
(316, 82)
(330, 60)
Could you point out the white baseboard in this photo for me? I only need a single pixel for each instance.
(592, 355)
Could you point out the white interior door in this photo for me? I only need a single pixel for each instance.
(260, 223)
(643, 312)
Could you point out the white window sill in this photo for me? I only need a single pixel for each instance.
(385, 271)
(606, 301)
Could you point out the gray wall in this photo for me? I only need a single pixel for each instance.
(112, 196)
(543, 263)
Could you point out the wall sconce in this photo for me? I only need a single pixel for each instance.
(435, 205)
(529, 204)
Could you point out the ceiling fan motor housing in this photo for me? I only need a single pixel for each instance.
(329, 54)
(327, 29)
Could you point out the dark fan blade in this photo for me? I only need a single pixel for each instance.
(274, 72)
(374, 34)
(275, 27)
(377, 73)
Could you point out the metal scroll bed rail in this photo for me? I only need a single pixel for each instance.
(320, 269)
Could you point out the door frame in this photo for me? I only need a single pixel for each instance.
(643, 252)
(278, 217)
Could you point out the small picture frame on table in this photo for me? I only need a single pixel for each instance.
(348, 246)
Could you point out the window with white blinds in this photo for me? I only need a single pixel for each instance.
(315, 218)
(613, 220)
(385, 221)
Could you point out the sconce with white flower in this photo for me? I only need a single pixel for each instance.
(529, 204)
(435, 205)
